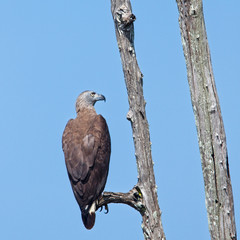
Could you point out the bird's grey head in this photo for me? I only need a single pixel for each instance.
(87, 99)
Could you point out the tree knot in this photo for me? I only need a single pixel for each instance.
(124, 18)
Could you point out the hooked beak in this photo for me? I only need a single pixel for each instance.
(100, 97)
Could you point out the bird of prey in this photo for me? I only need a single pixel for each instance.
(87, 147)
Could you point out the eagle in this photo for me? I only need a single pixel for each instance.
(87, 147)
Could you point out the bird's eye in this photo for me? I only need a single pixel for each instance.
(93, 94)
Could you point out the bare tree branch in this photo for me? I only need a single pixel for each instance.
(133, 198)
(211, 134)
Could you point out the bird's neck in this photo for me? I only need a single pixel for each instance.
(89, 111)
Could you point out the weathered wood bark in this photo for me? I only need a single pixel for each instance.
(210, 129)
(123, 20)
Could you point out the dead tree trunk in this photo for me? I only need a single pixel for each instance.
(123, 20)
(210, 129)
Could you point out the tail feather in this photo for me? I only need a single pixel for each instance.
(88, 219)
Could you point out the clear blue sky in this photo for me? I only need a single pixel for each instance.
(50, 51)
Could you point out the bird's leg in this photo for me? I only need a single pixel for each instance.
(106, 208)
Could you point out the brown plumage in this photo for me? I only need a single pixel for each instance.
(86, 145)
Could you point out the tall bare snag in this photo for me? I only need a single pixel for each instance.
(210, 129)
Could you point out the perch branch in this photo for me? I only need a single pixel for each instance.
(133, 198)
